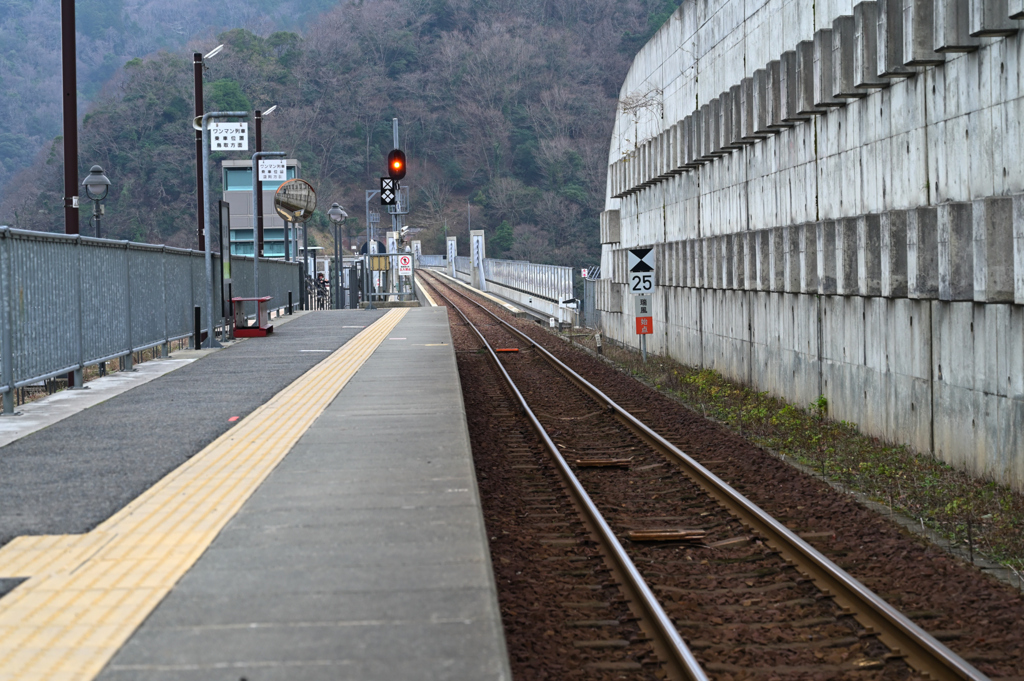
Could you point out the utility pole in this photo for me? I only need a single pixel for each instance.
(197, 75)
(198, 64)
(69, 80)
(69, 76)
(395, 220)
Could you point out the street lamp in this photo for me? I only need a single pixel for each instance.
(96, 187)
(198, 65)
(337, 215)
(258, 236)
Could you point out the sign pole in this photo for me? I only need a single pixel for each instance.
(211, 341)
(367, 283)
(640, 263)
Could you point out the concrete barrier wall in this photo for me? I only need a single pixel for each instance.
(835, 199)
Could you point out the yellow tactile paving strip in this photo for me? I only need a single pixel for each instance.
(86, 594)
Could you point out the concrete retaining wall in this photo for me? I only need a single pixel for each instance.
(837, 206)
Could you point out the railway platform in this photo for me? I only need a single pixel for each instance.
(301, 506)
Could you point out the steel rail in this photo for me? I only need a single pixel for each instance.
(921, 650)
(680, 660)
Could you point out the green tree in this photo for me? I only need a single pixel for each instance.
(502, 241)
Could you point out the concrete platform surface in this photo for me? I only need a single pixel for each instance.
(362, 555)
(76, 472)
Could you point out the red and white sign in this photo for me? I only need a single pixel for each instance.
(405, 265)
(583, 273)
(644, 315)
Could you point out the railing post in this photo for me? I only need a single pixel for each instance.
(165, 347)
(130, 358)
(197, 320)
(78, 377)
(8, 335)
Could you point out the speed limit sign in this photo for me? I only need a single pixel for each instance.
(641, 270)
(404, 265)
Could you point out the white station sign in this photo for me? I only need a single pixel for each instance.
(272, 170)
(641, 270)
(229, 136)
(405, 265)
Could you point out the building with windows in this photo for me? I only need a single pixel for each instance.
(237, 183)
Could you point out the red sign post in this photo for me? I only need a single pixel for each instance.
(644, 314)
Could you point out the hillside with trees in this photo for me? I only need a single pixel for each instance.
(505, 106)
(109, 33)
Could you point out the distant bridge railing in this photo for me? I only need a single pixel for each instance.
(550, 283)
(548, 289)
(68, 302)
(432, 261)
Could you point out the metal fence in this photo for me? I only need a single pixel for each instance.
(72, 301)
(553, 283)
(588, 307)
(432, 261)
(277, 278)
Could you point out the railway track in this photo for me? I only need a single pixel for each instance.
(695, 559)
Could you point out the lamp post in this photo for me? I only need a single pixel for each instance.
(198, 65)
(337, 215)
(96, 186)
(258, 236)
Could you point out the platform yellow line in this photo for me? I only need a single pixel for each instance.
(86, 594)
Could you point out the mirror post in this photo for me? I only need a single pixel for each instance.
(257, 200)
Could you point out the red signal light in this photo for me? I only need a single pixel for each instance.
(396, 164)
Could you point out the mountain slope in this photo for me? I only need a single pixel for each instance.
(505, 104)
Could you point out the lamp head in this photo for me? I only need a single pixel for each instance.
(214, 52)
(96, 184)
(337, 214)
(269, 111)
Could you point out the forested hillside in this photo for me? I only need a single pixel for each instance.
(109, 33)
(505, 106)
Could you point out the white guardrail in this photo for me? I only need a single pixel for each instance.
(432, 261)
(544, 289)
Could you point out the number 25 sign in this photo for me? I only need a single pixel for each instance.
(641, 270)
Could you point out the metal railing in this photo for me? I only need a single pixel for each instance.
(432, 261)
(553, 283)
(71, 301)
(392, 285)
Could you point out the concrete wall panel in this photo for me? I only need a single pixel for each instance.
(875, 249)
